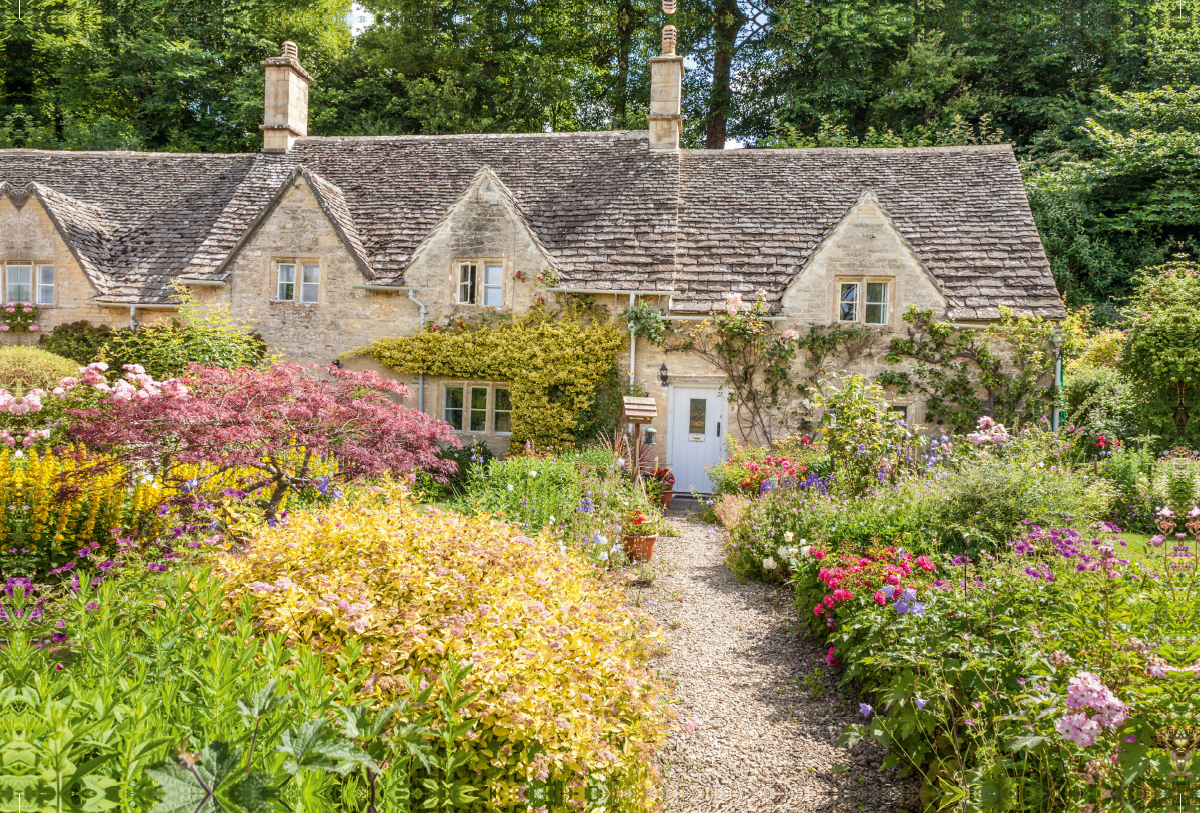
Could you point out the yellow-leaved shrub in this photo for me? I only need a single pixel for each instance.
(562, 667)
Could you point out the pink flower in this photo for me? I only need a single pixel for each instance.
(689, 726)
(816, 610)
(880, 598)
(829, 659)
(1078, 729)
(33, 327)
(3, 327)
(925, 563)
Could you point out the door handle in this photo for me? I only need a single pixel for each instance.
(718, 429)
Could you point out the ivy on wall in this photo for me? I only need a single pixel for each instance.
(554, 363)
(963, 373)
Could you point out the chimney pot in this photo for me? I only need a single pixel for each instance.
(285, 103)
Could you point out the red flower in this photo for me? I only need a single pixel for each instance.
(880, 598)
(818, 610)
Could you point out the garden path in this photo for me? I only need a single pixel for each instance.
(766, 709)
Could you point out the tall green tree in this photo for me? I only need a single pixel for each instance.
(1127, 194)
(151, 74)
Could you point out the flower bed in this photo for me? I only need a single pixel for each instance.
(561, 667)
(1034, 680)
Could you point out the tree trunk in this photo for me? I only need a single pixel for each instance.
(728, 23)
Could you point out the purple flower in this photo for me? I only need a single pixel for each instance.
(888, 591)
(918, 609)
(920, 703)
(909, 594)
(865, 709)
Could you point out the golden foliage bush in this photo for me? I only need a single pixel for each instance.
(25, 368)
(561, 666)
(554, 363)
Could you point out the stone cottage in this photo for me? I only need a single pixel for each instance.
(329, 243)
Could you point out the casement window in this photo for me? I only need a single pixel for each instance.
(45, 285)
(899, 409)
(466, 283)
(471, 284)
(477, 408)
(306, 289)
(502, 413)
(285, 287)
(493, 285)
(453, 411)
(18, 283)
(877, 298)
(863, 301)
(848, 302)
(310, 283)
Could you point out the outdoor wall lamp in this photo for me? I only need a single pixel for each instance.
(662, 374)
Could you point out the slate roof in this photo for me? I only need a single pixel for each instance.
(610, 213)
(750, 219)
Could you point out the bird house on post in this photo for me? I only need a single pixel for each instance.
(638, 411)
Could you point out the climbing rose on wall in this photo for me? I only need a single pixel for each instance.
(260, 419)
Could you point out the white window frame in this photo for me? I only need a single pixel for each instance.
(842, 301)
(881, 304)
(8, 283)
(467, 282)
(461, 408)
(44, 291)
(496, 412)
(862, 301)
(280, 282)
(471, 409)
(310, 289)
(493, 285)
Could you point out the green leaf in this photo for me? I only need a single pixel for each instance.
(255, 793)
(182, 792)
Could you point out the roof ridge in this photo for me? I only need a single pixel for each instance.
(763, 151)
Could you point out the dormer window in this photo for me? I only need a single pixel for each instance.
(306, 290)
(863, 301)
(481, 284)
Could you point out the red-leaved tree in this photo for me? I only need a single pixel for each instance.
(274, 422)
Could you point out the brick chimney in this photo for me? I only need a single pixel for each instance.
(285, 114)
(666, 79)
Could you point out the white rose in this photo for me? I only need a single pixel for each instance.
(510, 488)
(788, 536)
(769, 564)
(804, 551)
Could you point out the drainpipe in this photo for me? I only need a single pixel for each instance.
(133, 317)
(420, 376)
(632, 351)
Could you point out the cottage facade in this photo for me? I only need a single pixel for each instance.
(329, 243)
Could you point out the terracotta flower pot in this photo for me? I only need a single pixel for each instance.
(639, 548)
(665, 498)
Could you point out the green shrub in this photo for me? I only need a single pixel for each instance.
(166, 349)
(791, 517)
(868, 444)
(987, 497)
(79, 341)
(1127, 471)
(583, 497)
(25, 368)
(147, 668)
(1101, 401)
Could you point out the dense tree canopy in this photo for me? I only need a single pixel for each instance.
(1098, 96)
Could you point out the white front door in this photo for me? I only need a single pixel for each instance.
(696, 427)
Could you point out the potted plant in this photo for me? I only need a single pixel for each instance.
(661, 484)
(639, 532)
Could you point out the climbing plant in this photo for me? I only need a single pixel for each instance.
(759, 362)
(1004, 370)
(646, 322)
(553, 360)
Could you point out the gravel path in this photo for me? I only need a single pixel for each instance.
(765, 707)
